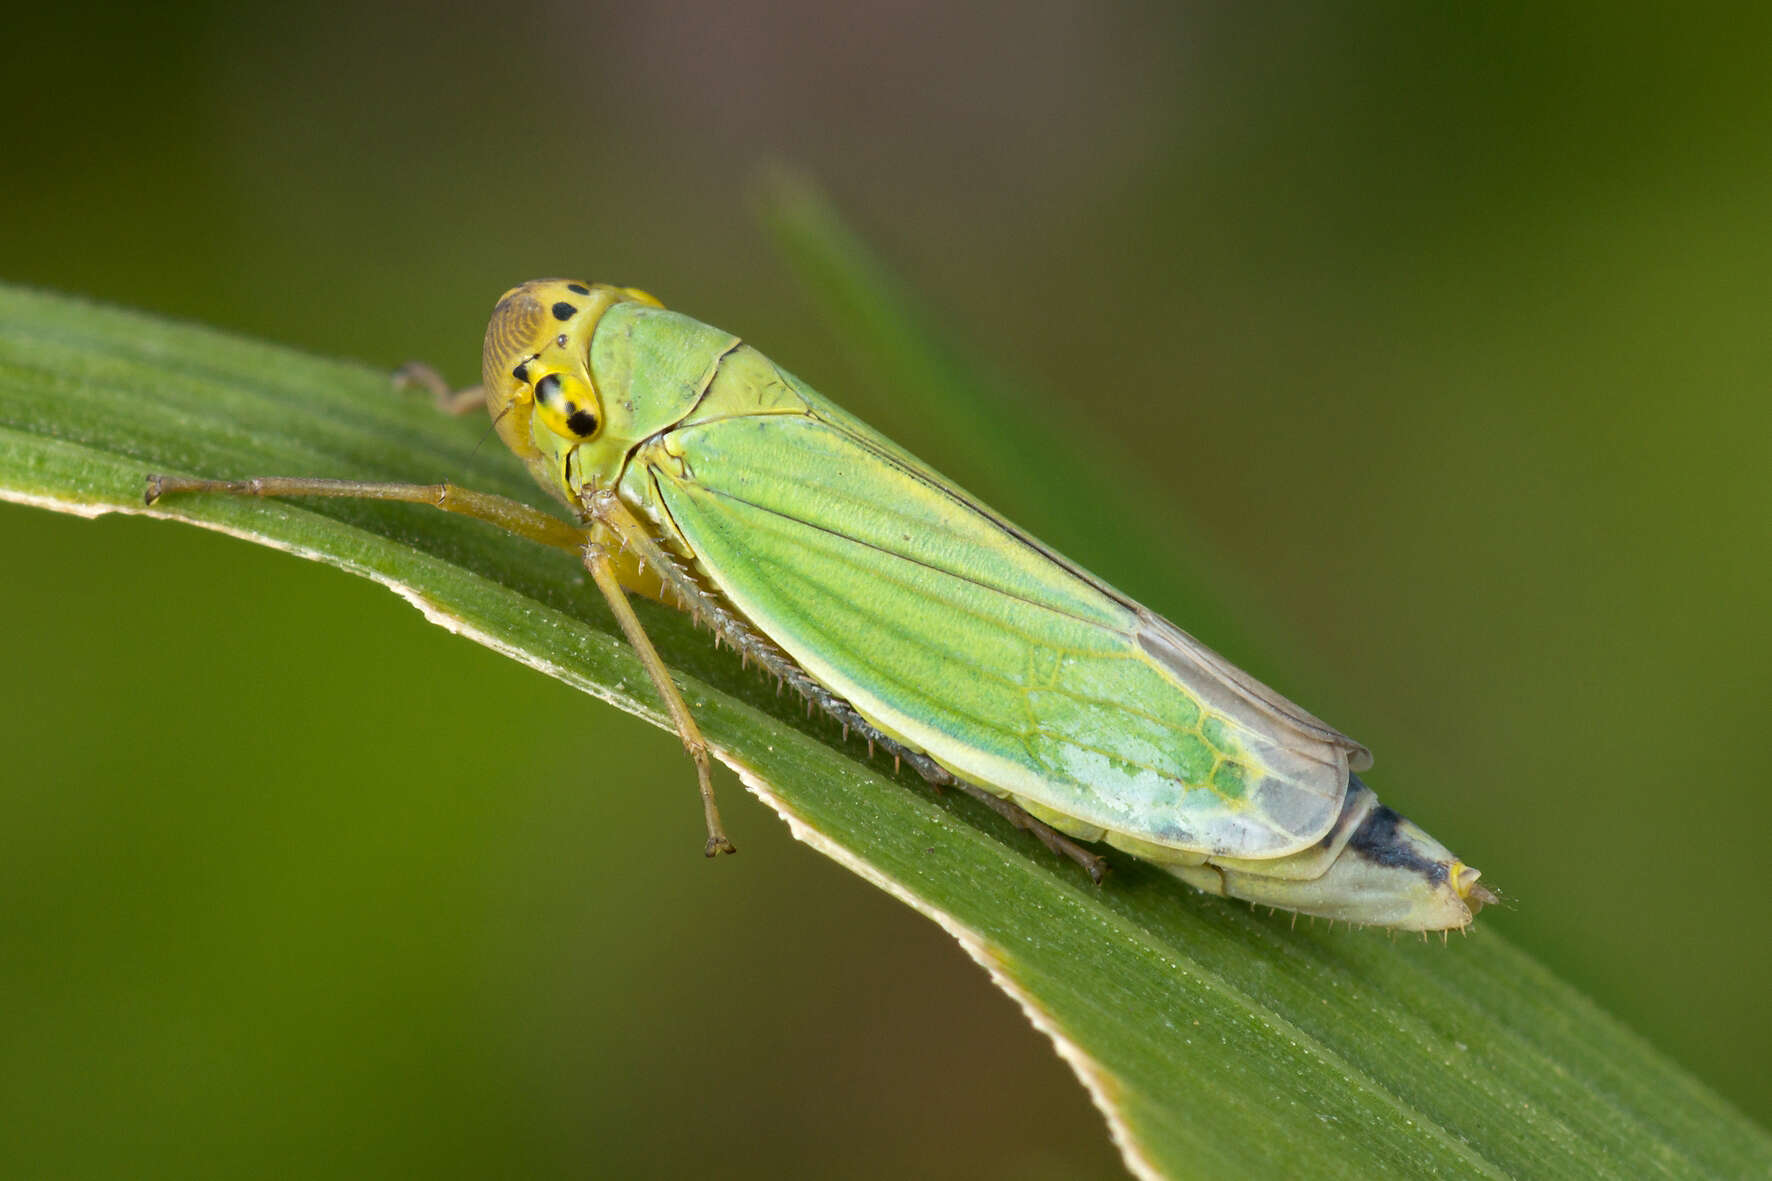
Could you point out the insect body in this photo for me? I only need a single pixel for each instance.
(703, 471)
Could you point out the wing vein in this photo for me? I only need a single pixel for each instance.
(904, 557)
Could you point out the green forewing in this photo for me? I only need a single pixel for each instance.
(955, 633)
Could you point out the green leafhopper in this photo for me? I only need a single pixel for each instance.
(704, 475)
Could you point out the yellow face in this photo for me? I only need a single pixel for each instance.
(535, 366)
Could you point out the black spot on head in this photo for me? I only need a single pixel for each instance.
(582, 423)
(521, 372)
(548, 388)
(578, 288)
(564, 311)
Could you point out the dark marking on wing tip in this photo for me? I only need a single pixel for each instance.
(1377, 841)
(564, 311)
(578, 288)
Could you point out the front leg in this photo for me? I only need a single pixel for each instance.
(597, 560)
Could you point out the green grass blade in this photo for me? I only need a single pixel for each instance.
(1214, 1039)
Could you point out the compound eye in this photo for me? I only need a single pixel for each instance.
(567, 406)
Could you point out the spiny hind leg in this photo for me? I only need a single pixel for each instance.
(605, 507)
(1093, 863)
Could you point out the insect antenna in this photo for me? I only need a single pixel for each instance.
(491, 428)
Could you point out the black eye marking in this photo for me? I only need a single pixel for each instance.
(578, 288)
(564, 311)
(583, 423)
(521, 372)
(548, 388)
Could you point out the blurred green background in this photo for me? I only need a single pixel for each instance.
(1442, 338)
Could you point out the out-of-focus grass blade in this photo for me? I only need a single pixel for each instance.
(1026, 446)
(1214, 1039)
